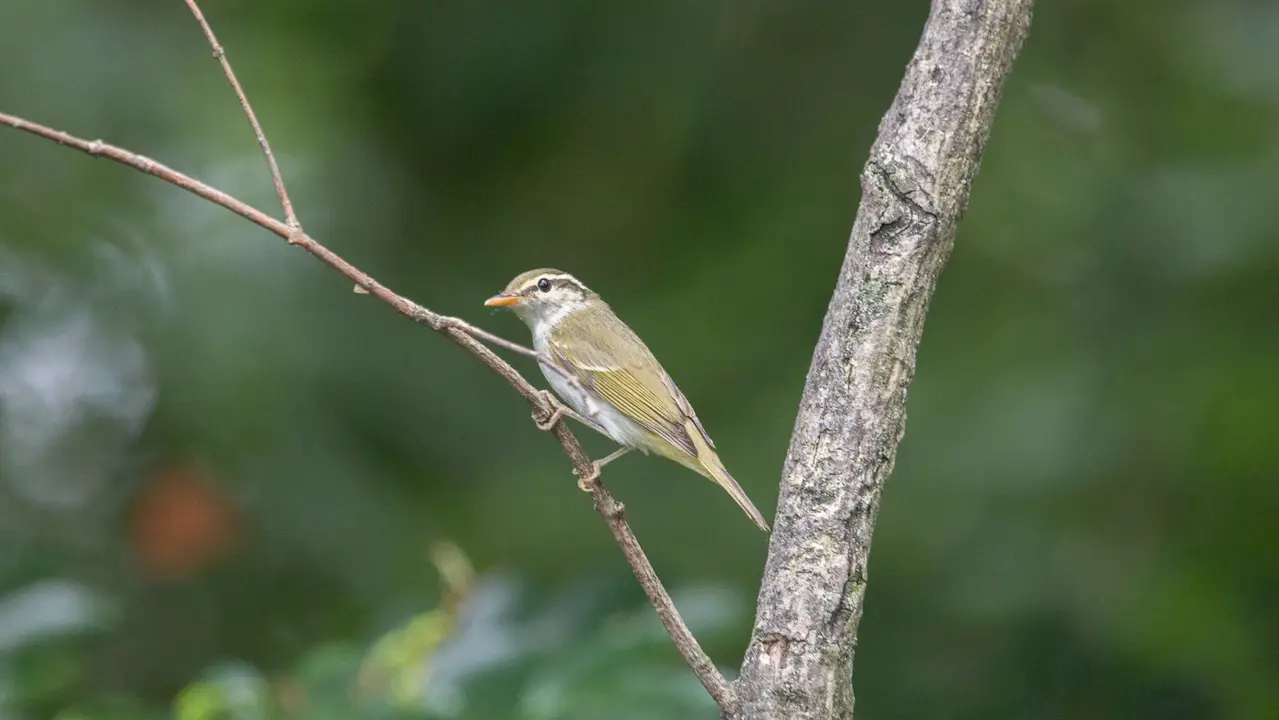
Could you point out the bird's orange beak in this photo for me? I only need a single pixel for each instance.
(502, 301)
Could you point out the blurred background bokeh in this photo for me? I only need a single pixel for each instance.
(230, 487)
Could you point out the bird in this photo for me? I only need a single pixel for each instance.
(609, 378)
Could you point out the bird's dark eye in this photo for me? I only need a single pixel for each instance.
(544, 285)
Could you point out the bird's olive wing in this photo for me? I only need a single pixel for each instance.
(687, 408)
(623, 373)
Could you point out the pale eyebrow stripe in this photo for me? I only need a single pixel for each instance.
(563, 276)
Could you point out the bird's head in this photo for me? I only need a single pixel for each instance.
(544, 296)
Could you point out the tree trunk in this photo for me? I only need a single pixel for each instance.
(915, 187)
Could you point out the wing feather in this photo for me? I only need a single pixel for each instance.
(633, 382)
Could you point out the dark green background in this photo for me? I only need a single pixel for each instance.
(1082, 520)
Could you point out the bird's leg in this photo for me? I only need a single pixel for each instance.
(610, 458)
(559, 411)
(588, 483)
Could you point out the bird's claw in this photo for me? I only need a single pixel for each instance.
(591, 481)
(558, 410)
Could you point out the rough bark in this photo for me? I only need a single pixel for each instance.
(915, 187)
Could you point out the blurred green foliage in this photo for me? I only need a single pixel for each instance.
(221, 470)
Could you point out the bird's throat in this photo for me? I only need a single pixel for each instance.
(544, 325)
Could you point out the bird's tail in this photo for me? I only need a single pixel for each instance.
(716, 471)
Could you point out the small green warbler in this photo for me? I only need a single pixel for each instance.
(618, 387)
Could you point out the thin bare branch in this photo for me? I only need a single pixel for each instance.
(696, 659)
(290, 218)
(98, 148)
(464, 335)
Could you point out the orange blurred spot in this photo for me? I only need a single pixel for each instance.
(181, 523)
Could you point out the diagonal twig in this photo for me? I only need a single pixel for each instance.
(465, 335)
(459, 331)
(290, 218)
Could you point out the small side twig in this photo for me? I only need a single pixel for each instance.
(290, 218)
